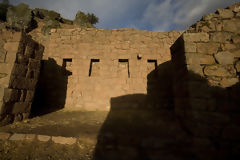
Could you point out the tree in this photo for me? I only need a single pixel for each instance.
(6, 2)
(92, 18)
(3, 9)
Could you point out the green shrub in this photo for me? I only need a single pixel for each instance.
(92, 18)
(3, 11)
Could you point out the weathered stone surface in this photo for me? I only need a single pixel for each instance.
(210, 16)
(4, 135)
(235, 7)
(228, 82)
(64, 140)
(220, 70)
(236, 39)
(232, 25)
(2, 56)
(17, 137)
(222, 37)
(21, 107)
(30, 137)
(237, 66)
(196, 68)
(224, 57)
(192, 58)
(207, 48)
(225, 13)
(43, 138)
(196, 37)
(11, 95)
(190, 47)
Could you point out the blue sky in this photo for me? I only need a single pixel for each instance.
(152, 15)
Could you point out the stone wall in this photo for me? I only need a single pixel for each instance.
(19, 70)
(100, 64)
(206, 87)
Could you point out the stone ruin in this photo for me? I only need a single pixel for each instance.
(195, 73)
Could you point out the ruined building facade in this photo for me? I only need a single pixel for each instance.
(195, 73)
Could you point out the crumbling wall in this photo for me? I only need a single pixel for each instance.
(101, 64)
(19, 70)
(206, 63)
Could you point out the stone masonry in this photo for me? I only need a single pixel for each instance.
(105, 63)
(206, 64)
(19, 70)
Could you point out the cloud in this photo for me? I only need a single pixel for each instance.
(155, 15)
(175, 14)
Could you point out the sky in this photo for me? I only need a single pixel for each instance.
(152, 15)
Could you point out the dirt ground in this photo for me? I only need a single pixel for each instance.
(68, 123)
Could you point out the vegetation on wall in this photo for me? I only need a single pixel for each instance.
(3, 10)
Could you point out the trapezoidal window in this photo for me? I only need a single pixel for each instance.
(123, 68)
(151, 65)
(94, 69)
(67, 66)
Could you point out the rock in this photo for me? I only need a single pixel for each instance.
(210, 16)
(196, 37)
(20, 17)
(207, 48)
(43, 138)
(64, 140)
(232, 25)
(221, 37)
(192, 58)
(17, 137)
(49, 25)
(220, 70)
(228, 82)
(225, 13)
(237, 66)
(224, 57)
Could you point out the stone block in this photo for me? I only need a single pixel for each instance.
(196, 37)
(4, 135)
(3, 54)
(190, 47)
(11, 46)
(210, 16)
(236, 39)
(3, 75)
(235, 7)
(11, 95)
(19, 70)
(236, 53)
(30, 137)
(192, 58)
(17, 137)
(224, 57)
(232, 25)
(228, 82)
(29, 96)
(43, 138)
(220, 70)
(221, 37)
(1, 93)
(22, 59)
(34, 64)
(21, 107)
(64, 140)
(237, 66)
(207, 48)
(225, 13)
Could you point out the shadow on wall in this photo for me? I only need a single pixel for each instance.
(51, 90)
(148, 127)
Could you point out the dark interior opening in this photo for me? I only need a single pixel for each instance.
(66, 63)
(153, 61)
(91, 65)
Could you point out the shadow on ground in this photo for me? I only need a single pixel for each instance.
(149, 127)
